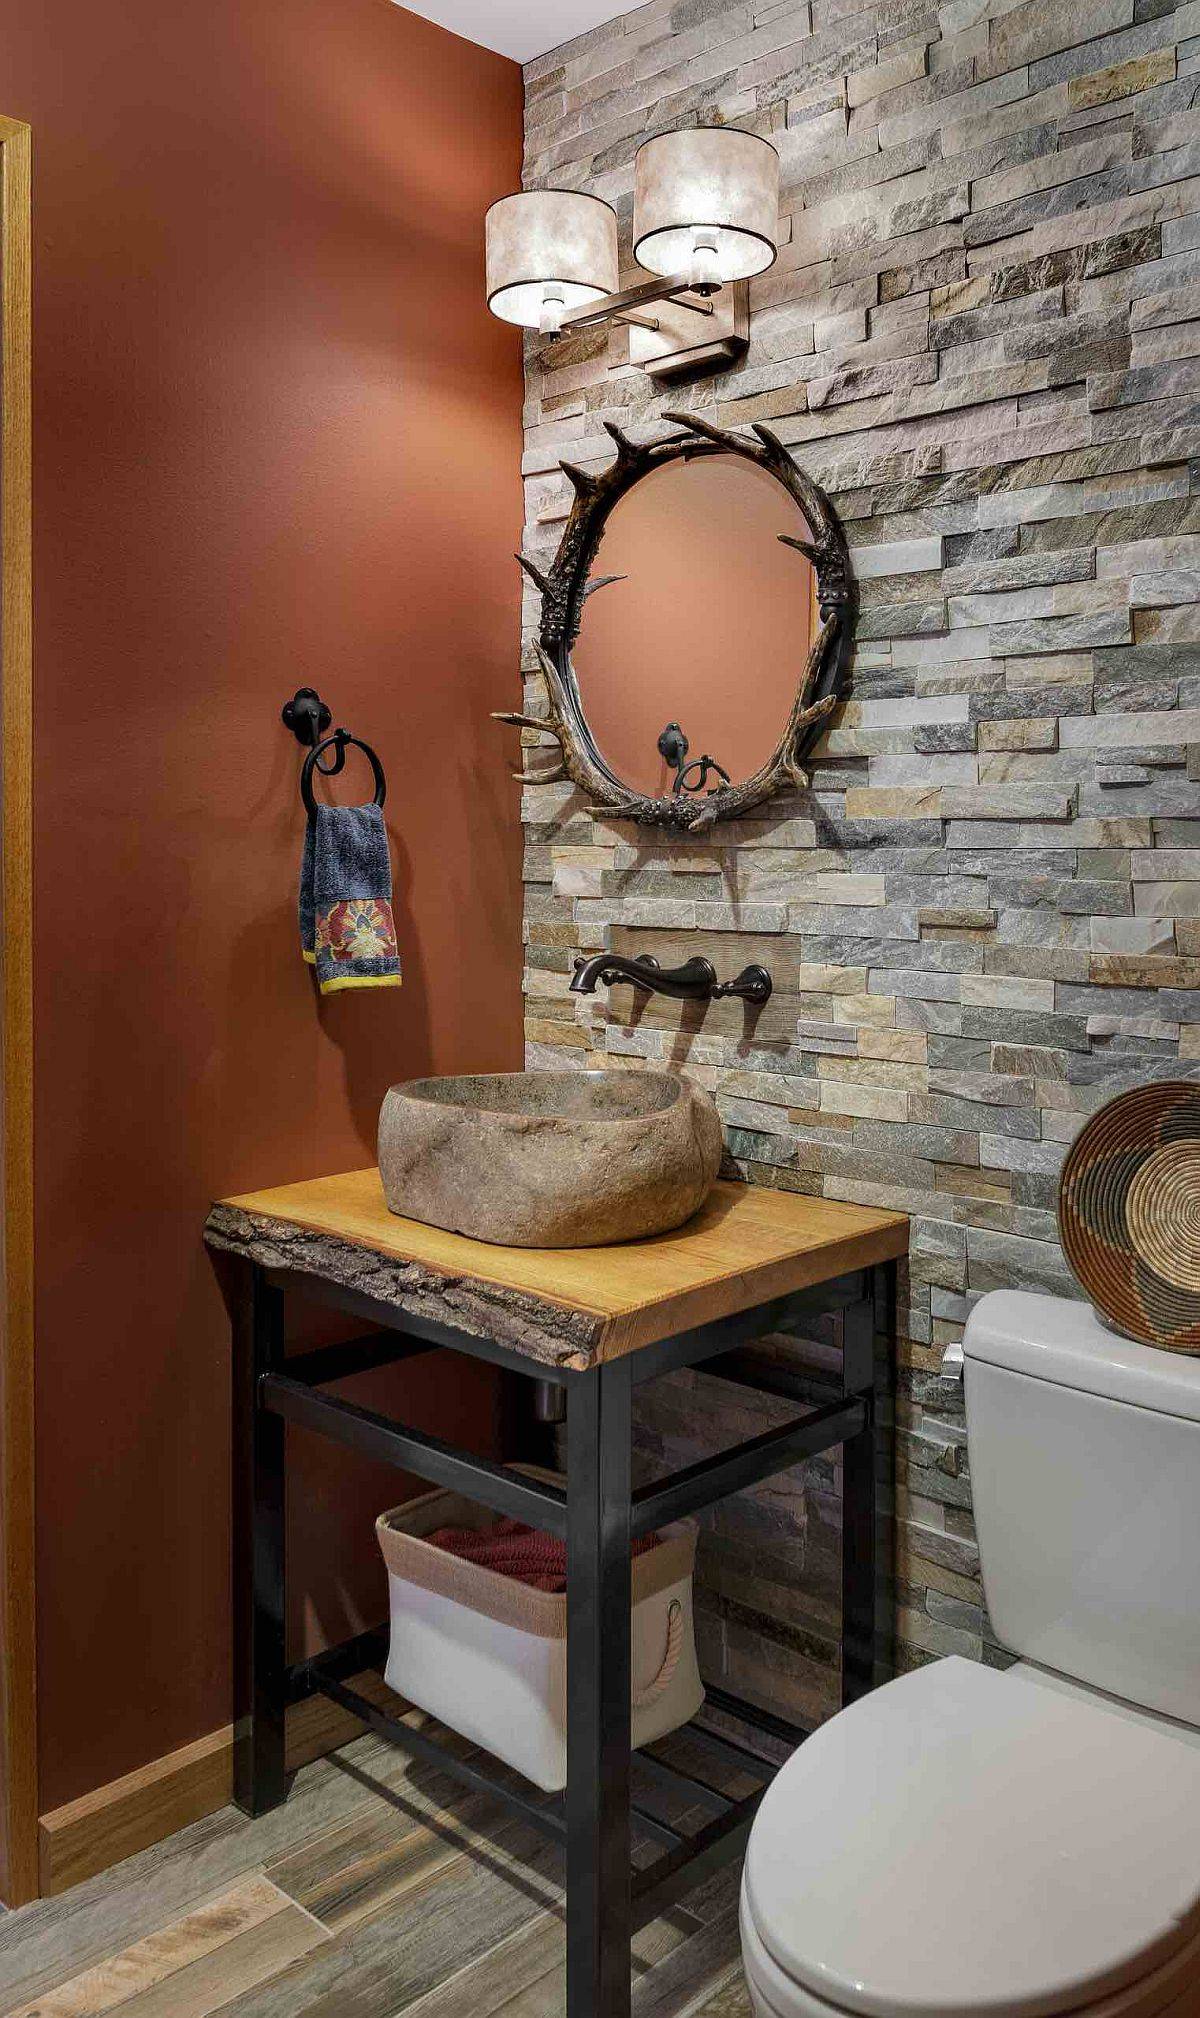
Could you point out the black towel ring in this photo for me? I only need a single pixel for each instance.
(338, 742)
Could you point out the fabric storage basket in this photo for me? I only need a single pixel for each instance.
(487, 1654)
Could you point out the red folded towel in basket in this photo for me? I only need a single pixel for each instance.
(515, 1550)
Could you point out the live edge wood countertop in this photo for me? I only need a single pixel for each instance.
(570, 1307)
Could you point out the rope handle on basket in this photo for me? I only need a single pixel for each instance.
(670, 1661)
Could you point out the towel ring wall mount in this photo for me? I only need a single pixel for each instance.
(308, 717)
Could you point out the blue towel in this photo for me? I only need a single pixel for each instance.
(346, 926)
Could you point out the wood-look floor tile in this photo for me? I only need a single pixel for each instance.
(676, 1988)
(731, 2000)
(390, 1806)
(401, 1951)
(139, 1968)
(355, 1871)
(412, 1831)
(44, 1944)
(546, 1995)
(512, 1966)
(436, 1903)
(525, 1976)
(423, 1796)
(209, 1984)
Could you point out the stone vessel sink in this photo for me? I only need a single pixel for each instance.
(549, 1159)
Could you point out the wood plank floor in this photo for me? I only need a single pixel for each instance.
(380, 1889)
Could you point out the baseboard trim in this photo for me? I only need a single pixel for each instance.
(113, 1822)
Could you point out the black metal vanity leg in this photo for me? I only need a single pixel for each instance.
(598, 1688)
(886, 1301)
(860, 1595)
(259, 1769)
(867, 1625)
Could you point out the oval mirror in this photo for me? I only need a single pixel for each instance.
(690, 664)
(705, 633)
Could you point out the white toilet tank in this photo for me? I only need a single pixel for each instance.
(1085, 1472)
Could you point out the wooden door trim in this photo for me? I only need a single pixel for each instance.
(18, 1699)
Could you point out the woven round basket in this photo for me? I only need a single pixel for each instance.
(1129, 1214)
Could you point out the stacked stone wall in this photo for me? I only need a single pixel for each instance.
(982, 335)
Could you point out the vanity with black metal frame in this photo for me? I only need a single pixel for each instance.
(599, 1514)
(567, 583)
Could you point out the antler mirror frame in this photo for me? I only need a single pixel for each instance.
(568, 582)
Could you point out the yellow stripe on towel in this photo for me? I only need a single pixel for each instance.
(362, 981)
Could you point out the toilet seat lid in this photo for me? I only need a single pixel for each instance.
(967, 1844)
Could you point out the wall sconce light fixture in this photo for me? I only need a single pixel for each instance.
(705, 220)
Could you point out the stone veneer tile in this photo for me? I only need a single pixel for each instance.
(983, 918)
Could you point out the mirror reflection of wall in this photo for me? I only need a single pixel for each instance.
(712, 627)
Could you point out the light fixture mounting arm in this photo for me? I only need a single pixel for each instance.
(699, 327)
(622, 307)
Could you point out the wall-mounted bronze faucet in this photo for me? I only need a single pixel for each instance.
(695, 981)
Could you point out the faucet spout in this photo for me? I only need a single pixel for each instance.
(589, 973)
(693, 982)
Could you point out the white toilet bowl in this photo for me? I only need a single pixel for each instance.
(966, 1843)
(1172, 1992)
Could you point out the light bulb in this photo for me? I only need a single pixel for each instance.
(550, 316)
(704, 272)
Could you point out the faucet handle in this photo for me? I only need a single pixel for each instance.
(753, 984)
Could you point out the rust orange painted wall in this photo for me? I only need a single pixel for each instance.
(277, 442)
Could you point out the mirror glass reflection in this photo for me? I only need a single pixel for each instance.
(709, 630)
